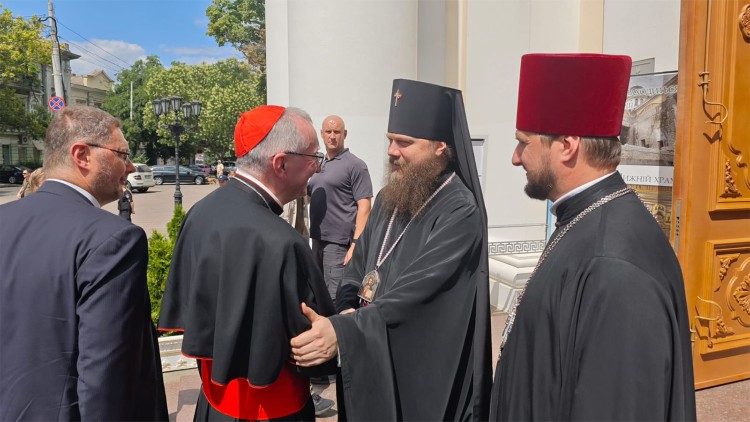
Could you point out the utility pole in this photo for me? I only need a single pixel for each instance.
(131, 100)
(57, 76)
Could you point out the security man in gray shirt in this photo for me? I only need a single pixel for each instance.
(340, 196)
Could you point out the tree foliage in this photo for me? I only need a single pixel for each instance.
(22, 48)
(225, 89)
(160, 249)
(118, 104)
(22, 52)
(242, 23)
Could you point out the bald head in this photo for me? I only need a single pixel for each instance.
(333, 132)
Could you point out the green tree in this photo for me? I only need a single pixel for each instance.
(118, 104)
(22, 48)
(242, 23)
(22, 52)
(225, 89)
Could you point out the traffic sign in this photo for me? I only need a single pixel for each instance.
(56, 103)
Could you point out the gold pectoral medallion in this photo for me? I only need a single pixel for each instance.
(369, 286)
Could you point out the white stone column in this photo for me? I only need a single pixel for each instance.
(340, 57)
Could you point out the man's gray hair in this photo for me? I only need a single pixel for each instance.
(284, 136)
(601, 153)
(76, 123)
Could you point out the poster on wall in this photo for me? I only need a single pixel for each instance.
(648, 144)
(648, 141)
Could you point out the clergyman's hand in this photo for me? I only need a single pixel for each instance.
(316, 345)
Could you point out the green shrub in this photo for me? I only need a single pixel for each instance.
(160, 250)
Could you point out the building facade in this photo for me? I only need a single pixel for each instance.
(474, 46)
(14, 147)
(91, 89)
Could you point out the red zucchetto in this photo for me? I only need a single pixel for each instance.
(573, 94)
(253, 126)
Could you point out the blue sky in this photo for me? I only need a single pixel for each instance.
(129, 30)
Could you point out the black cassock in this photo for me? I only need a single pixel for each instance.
(419, 351)
(238, 275)
(602, 330)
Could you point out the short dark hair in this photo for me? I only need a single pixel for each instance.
(599, 152)
(76, 123)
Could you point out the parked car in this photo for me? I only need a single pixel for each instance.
(165, 174)
(204, 168)
(141, 179)
(12, 174)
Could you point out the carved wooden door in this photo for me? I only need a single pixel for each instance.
(711, 197)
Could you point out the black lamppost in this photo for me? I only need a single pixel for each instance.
(162, 107)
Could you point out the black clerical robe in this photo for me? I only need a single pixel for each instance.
(417, 351)
(238, 275)
(602, 330)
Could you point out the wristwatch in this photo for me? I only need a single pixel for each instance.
(354, 241)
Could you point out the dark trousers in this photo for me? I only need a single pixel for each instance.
(205, 412)
(330, 259)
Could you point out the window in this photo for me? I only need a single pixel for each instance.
(6, 154)
(478, 146)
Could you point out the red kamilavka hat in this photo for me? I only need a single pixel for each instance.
(253, 126)
(573, 94)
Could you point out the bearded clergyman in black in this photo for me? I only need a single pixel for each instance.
(600, 331)
(418, 349)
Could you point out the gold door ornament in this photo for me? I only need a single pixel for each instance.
(744, 22)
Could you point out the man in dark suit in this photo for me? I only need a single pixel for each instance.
(77, 338)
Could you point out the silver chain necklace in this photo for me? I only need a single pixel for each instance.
(547, 250)
(372, 279)
(381, 257)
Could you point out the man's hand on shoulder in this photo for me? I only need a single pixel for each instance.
(316, 345)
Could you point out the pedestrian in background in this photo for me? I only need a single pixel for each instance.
(36, 178)
(78, 342)
(22, 192)
(340, 195)
(125, 204)
(219, 169)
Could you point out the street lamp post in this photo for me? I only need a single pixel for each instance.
(162, 107)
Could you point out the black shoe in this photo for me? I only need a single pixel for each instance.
(321, 404)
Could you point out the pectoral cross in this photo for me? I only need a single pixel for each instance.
(397, 96)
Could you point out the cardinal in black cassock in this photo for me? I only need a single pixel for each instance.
(419, 349)
(238, 275)
(601, 330)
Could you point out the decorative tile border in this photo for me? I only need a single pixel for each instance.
(515, 247)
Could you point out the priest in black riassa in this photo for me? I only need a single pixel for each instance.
(418, 349)
(601, 330)
(240, 272)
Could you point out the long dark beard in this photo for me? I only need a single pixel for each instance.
(415, 184)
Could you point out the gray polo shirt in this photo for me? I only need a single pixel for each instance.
(334, 192)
